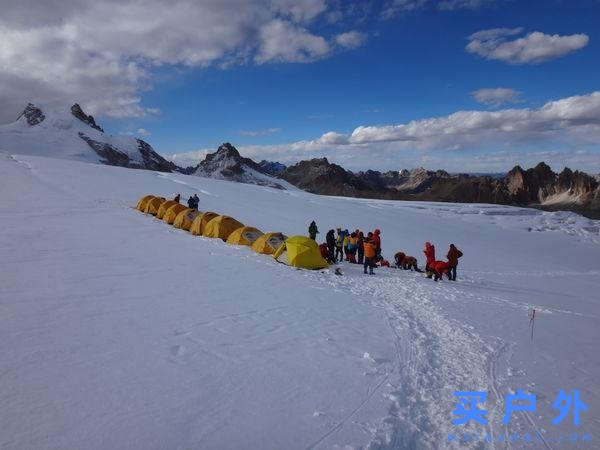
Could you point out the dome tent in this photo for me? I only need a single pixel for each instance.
(200, 222)
(185, 219)
(268, 243)
(141, 204)
(153, 205)
(221, 227)
(301, 252)
(171, 213)
(244, 236)
(163, 208)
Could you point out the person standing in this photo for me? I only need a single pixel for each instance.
(370, 254)
(346, 243)
(377, 242)
(190, 202)
(453, 255)
(429, 258)
(359, 247)
(330, 239)
(339, 245)
(177, 197)
(313, 231)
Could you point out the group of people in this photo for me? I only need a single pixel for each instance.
(438, 269)
(357, 248)
(192, 202)
(354, 247)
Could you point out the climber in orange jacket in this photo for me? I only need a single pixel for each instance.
(370, 253)
(453, 255)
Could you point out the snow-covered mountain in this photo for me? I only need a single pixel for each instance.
(120, 331)
(227, 164)
(72, 134)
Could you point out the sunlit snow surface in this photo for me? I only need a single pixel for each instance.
(119, 331)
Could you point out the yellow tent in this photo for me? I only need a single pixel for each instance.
(221, 227)
(302, 252)
(163, 208)
(185, 219)
(244, 236)
(172, 212)
(153, 205)
(197, 227)
(141, 204)
(268, 243)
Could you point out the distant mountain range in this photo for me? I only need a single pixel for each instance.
(73, 134)
(538, 187)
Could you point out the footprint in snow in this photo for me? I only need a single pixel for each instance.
(177, 350)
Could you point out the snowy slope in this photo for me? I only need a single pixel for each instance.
(60, 134)
(119, 331)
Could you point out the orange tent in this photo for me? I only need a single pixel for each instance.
(172, 212)
(185, 219)
(153, 205)
(197, 227)
(221, 227)
(141, 204)
(163, 208)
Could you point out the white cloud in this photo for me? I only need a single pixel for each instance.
(395, 7)
(496, 97)
(101, 54)
(282, 41)
(535, 47)
(351, 39)
(143, 132)
(255, 133)
(566, 125)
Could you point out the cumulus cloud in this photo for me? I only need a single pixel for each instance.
(255, 133)
(351, 39)
(101, 54)
(496, 97)
(534, 48)
(283, 41)
(565, 124)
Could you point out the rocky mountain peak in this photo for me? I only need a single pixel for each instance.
(32, 114)
(88, 119)
(227, 164)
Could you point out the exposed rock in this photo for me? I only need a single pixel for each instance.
(153, 161)
(320, 177)
(112, 156)
(78, 112)
(32, 114)
(227, 164)
(537, 187)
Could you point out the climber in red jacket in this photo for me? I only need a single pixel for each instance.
(430, 258)
(440, 268)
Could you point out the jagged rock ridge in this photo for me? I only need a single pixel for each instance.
(537, 187)
(227, 164)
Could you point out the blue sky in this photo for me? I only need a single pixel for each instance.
(330, 67)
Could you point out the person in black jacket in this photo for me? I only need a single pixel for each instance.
(330, 239)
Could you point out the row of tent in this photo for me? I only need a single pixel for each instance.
(297, 251)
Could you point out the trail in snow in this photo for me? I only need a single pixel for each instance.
(117, 330)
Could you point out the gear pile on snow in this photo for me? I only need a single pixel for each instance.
(296, 251)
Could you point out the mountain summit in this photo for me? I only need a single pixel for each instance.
(227, 164)
(73, 134)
